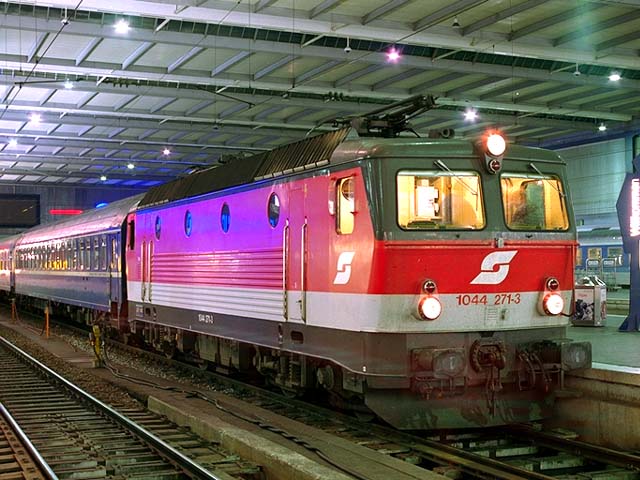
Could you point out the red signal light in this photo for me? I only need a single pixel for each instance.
(65, 211)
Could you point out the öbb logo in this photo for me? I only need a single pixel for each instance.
(488, 275)
(344, 268)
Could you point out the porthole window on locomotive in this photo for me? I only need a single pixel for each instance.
(187, 223)
(346, 205)
(533, 202)
(158, 228)
(273, 210)
(225, 218)
(439, 200)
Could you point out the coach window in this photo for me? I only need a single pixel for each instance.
(533, 202)
(578, 257)
(345, 202)
(74, 259)
(439, 200)
(594, 253)
(103, 252)
(225, 218)
(81, 254)
(95, 263)
(114, 255)
(273, 210)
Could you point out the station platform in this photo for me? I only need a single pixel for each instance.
(612, 350)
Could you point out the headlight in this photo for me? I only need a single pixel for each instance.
(429, 308)
(576, 355)
(553, 304)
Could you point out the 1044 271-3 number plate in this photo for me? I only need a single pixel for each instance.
(492, 299)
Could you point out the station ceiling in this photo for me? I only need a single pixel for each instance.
(209, 78)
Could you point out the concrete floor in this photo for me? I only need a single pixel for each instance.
(611, 348)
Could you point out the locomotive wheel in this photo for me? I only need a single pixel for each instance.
(169, 350)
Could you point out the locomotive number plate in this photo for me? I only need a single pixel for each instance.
(494, 299)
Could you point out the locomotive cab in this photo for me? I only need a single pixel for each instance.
(475, 259)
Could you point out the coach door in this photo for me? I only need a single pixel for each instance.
(296, 245)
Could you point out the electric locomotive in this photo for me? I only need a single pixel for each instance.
(428, 281)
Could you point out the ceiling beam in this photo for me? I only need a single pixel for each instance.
(595, 27)
(274, 66)
(397, 78)
(351, 26)
(262, 4)
(357, 74)
(87, 50)
(501, 15)
(324, 7)
(37, 45)
(184, 59)
(317, 71)
(619, 40)
(383, 10)
(511, 87)
(538, 50)
(143, 48)
(237, 58)
(549, 21)
(451, 10)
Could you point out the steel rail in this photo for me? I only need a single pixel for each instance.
(576, 447)
(163, 448)
(33, 451)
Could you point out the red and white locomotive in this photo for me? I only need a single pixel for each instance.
(425, 280)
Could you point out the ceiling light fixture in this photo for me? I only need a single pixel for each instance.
(470, 114)
(456, 23)
(615, 76)
(35, 118)
(131, 166)
(602, 127)
(166, 151)
(393, 55)
(121, 26)
(13, 143)
(576, 72)
(68, 84)
(103, 178)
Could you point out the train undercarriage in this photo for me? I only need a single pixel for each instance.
(497, 378)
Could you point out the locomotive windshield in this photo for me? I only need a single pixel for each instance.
(533, 202)
(439, 200)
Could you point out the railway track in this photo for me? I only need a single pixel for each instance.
(81, 437)
(518, 452)
(19, 459)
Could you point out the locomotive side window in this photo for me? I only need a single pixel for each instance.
(225, 218)
(132, 234)
(346, 205)
(533, 202)
(188, 223)
(273, 210)
(578, 257)
(439, 200)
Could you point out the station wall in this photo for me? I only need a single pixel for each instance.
(65, 198)
(596, 172)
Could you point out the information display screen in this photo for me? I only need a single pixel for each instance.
(19, 211)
